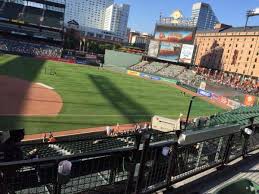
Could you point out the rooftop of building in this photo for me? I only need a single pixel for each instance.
(226, 28)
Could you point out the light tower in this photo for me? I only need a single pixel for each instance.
(251, 13)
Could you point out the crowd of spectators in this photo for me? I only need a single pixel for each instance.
(29, 48)
(237, 82)
(117, 130)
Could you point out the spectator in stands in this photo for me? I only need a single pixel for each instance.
(29, 48)
(108, 131)
(44, 139)
(117, 129)
(52, 139)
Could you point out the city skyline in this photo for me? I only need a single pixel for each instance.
(144, 14)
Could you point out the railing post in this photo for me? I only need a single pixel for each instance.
(132, 166)
(171, 164)
(57, 186)
(142, 163)
(246, 138)
(227, 151)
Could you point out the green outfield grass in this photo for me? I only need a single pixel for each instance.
(95, 97)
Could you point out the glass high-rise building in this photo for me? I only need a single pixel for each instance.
(203, 16)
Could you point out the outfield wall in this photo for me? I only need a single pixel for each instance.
(120, 59)
(213, 96)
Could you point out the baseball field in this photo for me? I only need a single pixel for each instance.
(43, 96)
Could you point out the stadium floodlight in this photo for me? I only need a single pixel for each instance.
(251, 13)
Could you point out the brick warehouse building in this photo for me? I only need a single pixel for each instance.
(230, 49)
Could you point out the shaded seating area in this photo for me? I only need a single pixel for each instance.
(33, 15)
(52, 19)
(10, 10)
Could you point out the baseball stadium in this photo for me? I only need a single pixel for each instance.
(74, 121)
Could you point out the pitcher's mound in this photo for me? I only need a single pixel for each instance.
(20, 97)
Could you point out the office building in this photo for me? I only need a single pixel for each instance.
(102, 15)
(116, 19)
(203, 16)
(138, 39)
(229, 49)
(89, 13)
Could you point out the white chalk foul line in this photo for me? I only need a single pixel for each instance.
(44, 85)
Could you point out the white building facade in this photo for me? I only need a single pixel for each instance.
(102, 15)
(116, 19)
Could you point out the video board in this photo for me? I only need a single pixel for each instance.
(169, 51)
(175, 34)
(153, 48)
(186, 53)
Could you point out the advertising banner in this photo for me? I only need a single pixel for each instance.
(169, 51)
(144, 75)
(186, 53)
(154, 77)
(249, 100)
(135, 73)
(174, 34)
(204, 93)
(153, 48)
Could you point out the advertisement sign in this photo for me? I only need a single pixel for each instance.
(144, 75)
(153, 48)
(204, 93)
(165, 124)
(169, 51)
(174, 34)
(135, 73)
(249, 100)
(186, 53)
(155, 77)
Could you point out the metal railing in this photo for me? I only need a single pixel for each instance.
(145, 167)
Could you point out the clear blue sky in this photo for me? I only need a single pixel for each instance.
(145, 13)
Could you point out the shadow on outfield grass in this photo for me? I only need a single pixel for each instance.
(128, 107)
(23, 68)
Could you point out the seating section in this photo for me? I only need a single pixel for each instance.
(164, 70)
(237, 116)
(11, 10)
(52, 19)
(29, 48)
(171, 71)
(85, 143)
(147, 67)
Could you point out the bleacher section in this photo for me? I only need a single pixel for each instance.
(120, 59)
(164, 70)
(171, 71)
(238, 116)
